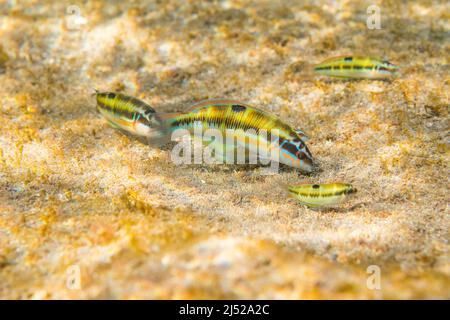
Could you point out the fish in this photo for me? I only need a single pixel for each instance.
(349, 67)
(129, 115)
(321, 195)
(248, 123)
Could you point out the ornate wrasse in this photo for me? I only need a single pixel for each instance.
(132, 116)
(356, 67)
(253, 128)
(127, 113)
(321, 195)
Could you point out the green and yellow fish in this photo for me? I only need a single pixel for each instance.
(249, 123)
(127, 113)
(321, 195)
(348, 67)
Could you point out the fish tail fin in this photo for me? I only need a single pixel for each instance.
(95, 93)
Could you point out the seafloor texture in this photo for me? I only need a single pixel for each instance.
(78, 195)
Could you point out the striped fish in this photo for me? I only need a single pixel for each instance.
(234, 115)
(356, 68)
(128, 114)
(321, 195)
(247, 122)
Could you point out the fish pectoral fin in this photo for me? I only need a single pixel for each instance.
(114, 125)
(310, 205)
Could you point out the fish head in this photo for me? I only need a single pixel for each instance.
(295, 153)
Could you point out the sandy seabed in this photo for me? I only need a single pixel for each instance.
(79, 198)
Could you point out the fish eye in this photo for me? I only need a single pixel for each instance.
(315, 186)
(111, 95)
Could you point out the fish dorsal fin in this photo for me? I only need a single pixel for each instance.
(144, 108)
(216, 102)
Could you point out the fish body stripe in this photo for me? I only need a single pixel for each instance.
(122, 104)
(356, 67)
(230, 114)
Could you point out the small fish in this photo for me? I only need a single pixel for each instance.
(234, 115)
(136, 117)
(128, 114)
(356, 68)
(321, 195)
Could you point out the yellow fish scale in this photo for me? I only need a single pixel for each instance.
(230, 114)
(354, 60)
(121, 104)
(117, 104)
